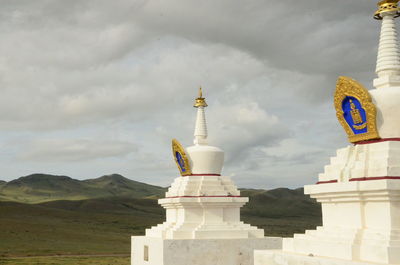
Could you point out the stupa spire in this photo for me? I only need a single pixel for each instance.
(200, 131)
(388, 61)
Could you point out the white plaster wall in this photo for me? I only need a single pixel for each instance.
(373, 160)
(378, 215)
(171, 215)
(156, 251)
(273, 257)
(202, 186)
(360, 222)
(395, 215)
(341, 215)
(387, 101)
(231, 214)
(200, 251)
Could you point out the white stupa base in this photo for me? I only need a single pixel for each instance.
(361, 223)
(351, 244)
(203, 207)
(198, 251)
(373, 160)
(204, 218)
(279, 257)
(202, 227)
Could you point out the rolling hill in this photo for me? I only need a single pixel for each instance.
(38, 188)
(281, 202)
(117, 185)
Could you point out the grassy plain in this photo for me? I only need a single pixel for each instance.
(98, 226)
(104, 226)
(66, 261)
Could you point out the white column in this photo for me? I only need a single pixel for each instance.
(200, 131)
(388, 61)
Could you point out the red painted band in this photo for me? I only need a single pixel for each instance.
(359, 179)
(204, 175)
(229, 196)
(373, 178)
(327, 181)
(377, 141)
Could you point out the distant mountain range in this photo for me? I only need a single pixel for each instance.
(38, 188)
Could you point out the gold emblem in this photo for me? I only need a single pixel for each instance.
(181, 158)
(355, 110)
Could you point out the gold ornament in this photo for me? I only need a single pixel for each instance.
(386, 6)
(355, 113)
(200, 101)
(347, 87)
(181, 158)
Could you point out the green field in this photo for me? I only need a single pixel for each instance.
(98, 226)
(104, 226)
(66, 261)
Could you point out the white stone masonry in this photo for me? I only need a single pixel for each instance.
(388, 61)
(380, 159)
(203, 207)
(200, 131)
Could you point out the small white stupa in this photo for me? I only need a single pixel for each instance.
(360, 189)
(202, 212)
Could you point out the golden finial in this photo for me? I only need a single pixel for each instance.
(200, 101)
(385, 6)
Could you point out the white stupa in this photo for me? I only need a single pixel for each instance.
(360, 188)
(202, 212)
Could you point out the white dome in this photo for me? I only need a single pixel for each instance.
(205, 159)
(387, 102)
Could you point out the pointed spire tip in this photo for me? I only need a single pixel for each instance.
(200, 101)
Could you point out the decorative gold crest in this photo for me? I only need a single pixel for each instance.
(181, 158)
(386, 6)
(355, 110)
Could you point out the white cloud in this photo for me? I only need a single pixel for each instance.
(243, 126)
(76, 150)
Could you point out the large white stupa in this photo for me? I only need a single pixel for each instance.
(202, 212)
(360, 188)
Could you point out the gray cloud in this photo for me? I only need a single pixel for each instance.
(303, 36)
(120, 72)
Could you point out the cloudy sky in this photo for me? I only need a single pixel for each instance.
(93, 87)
